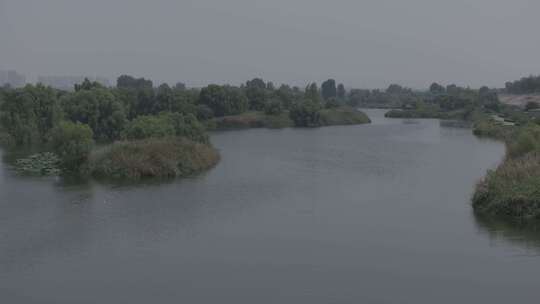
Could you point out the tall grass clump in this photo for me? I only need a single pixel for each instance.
(166, 157)
(512, 190)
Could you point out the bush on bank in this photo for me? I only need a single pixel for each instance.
(513, 189)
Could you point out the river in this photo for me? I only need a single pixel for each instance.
(374, 213)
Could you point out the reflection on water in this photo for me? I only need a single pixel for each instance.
(525, 235)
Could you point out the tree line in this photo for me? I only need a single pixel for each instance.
(71, 122)
(525, 85)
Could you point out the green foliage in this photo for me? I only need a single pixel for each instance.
(166, 125)
(251, 120)
(167, 157)
(204, 112)
(394, 96)
(341, 92)
(148, 126)
(312, 93)
(29, 114)
(513, 190)
(328, 89)
(224, 100)
(527, 140)
(189, 127)
(39, 164)
(436, 88)
(306, 114)
(287, 95)
(257, 95)
(273, 107)
(129, 82)
(87, 85)
(99, 109)
(332, 103)
(164, 99)
(72, 142)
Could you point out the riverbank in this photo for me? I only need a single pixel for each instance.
(248, 120)
(426, 113)
(513, 189)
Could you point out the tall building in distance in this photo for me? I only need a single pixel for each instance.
(12, 78)
(68, 83)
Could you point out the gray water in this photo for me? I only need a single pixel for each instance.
(356, 214)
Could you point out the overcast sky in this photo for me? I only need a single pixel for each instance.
(362, 43)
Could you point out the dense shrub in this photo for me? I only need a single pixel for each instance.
(29, 114)
(332, 103)
(166, 124)
(72, 142)
(204, 112)
(224, 100)
(273, 107)
(306, 114)
(148, 126)
(513, 190)
(99, 109)
(527, 140)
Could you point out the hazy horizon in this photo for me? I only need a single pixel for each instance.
(367, 43)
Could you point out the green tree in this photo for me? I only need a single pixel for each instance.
(341, 92)
(436, 88)
(273, 107)
(97, 108)
(29, 114)
(164, 99)
(224, 100)
(312, 93)
(87, 85)
(332, 103)
(129, 82)
(72, 142)
(256, 92)
(306, 114)
(149, 126)
(394, 89)
(328, 89)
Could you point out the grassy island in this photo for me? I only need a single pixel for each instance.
(156, 157)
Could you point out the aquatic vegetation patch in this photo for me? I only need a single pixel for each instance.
(43, 164)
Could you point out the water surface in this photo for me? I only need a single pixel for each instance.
(357, 214)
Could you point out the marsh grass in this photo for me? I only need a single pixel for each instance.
(152, 158)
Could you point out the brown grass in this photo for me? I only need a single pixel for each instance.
(153, 158)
